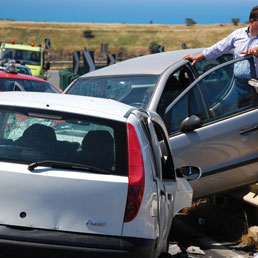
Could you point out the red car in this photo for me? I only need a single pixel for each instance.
(12, 81)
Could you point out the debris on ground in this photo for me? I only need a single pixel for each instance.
(174, 249)
(251, 237)
(195, 250)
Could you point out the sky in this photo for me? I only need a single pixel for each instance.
(130, 12)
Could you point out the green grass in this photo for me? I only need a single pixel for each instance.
(132, 39)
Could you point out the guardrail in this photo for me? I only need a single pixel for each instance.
(97, 63)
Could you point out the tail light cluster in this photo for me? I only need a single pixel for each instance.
(135, 175)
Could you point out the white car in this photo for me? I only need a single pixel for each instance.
(86, 176)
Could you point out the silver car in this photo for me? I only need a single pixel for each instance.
(86, 177)
(209, 109)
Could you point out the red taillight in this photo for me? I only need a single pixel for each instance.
(135, 175)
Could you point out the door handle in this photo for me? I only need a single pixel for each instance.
(249, 129)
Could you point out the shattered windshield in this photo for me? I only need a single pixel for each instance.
(28, 135)
(132, 90)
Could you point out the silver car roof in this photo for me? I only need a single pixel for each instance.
(106, 108)
(148, 64)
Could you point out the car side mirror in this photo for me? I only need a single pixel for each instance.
(190, 124)
(189, 172)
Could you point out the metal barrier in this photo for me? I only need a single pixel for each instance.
(66, 76)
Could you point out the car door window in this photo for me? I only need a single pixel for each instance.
(190, 104)
(205, 65)
(226, 90)
(176, 83)
(165, 154)
(221, 93)
(146, 130)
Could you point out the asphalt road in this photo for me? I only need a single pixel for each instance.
(53, 77)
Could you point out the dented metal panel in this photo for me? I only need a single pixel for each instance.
(62, 200)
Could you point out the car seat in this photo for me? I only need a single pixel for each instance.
(97, 150)
(172, 89)
(38, 136)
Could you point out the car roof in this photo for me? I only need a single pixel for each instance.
(4, 74)
(99, 107)
(148, 64)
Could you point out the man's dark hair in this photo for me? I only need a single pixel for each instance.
(254, 14)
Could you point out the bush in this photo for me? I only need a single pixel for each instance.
(154, 47)
(88, 34)
(189, 21)
(235, 21)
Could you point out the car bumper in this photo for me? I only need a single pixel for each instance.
(17, 241)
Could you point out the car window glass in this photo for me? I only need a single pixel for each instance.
(175, 85)
(184, 76)
(144, 124)
(133, 90)
(227, 57)
(205, 65)
(221, 93)
(27, 85)
(23, 56)
(34, 135)
(165, 154)
(190, 104)
(226, 90)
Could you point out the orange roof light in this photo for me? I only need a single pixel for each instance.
(32, 44)
(13, 41)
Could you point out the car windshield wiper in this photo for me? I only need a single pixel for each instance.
(65, 165)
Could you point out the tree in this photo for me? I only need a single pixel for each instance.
(189, 21)
(235, 21)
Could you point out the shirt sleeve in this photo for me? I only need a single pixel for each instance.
(220, 47)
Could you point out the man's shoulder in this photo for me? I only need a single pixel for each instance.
(240, 31)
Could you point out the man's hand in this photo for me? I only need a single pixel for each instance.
(193, 58)
(251, 51)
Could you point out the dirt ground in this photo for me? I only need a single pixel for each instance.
(227, 220)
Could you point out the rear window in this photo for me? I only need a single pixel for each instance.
(10, 84)
(29, 135)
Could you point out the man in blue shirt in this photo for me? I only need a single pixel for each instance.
(240, 41)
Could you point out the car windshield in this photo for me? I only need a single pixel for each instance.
(132, 90)
(23, 70)
(22, 56)
(32, 135)
(10, 84)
